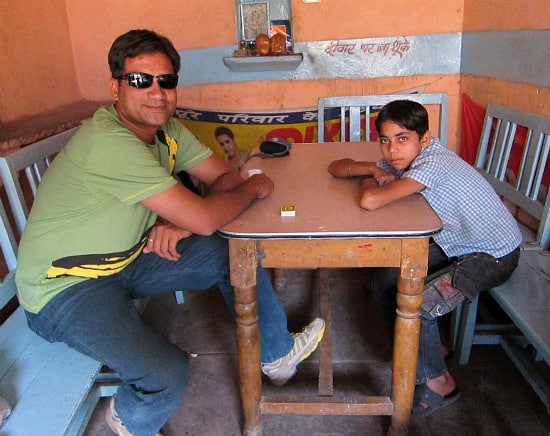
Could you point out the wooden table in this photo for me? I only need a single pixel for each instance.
(329, 230)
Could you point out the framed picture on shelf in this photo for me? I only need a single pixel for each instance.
(254, 19)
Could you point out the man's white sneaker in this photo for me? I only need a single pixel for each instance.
(282, 370)
(114, 422)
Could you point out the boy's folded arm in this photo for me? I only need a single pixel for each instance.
(374, 196)
(351, 168)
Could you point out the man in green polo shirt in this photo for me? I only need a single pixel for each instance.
(111, 223)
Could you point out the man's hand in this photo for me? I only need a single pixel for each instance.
(163, 240)
(264, 185)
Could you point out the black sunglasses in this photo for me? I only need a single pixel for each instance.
(144, 80)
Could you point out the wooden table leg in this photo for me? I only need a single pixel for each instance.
(243, 278)
(326, 382)
(414, 260)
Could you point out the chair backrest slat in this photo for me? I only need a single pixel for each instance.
(8, 244)
(30, 163)
(519, 183)
(352, 107)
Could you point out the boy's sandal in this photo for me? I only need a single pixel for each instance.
(434, 401)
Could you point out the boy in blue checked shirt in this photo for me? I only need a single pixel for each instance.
(477, 249)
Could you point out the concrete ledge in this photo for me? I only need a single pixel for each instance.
(16, 134)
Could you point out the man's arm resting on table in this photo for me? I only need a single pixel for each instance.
(204, 216)
(182, 213)
(217, 174)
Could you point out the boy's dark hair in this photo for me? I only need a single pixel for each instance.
(222, 130)
(137, 42)
(406, 113)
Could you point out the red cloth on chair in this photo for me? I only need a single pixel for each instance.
(472, 123)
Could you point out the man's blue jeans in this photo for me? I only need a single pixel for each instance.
(98, 317)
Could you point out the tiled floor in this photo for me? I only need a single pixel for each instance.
(495, 398)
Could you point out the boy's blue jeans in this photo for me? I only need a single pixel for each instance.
(98, 317)
(470, 274)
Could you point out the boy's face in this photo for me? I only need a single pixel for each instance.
(400, 146)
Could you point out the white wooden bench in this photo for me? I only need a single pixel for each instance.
(51, 388)
(515, 168)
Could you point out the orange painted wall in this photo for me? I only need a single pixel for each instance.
(524, 97)
(60, 48)
(37, 71)
(505, 15)
(69, 39)
(491, 15)
(341, 19)
(189, 25)
(94, 25)
(333, 19)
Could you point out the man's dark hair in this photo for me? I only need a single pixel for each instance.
(222, 130)
(137, 42)
(406, 113)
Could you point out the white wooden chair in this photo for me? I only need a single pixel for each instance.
(52, 388)
(354, 113)
(525, 297)
(26, 167)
